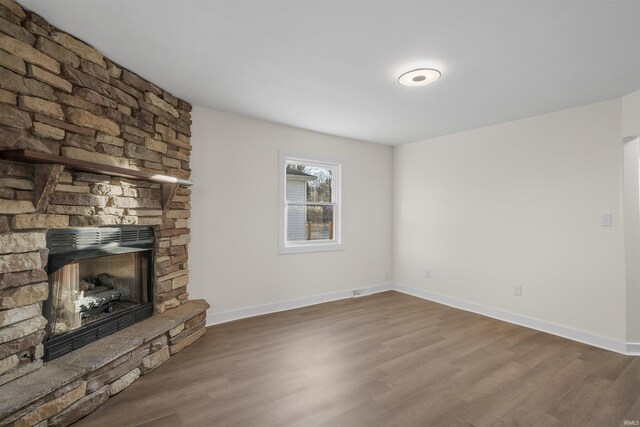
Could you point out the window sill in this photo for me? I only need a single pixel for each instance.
(286, 250)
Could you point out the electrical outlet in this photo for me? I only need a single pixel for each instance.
(517, 290)
(427, 274)
(607, 220)
(386, 275)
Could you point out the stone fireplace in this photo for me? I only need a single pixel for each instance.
(94, 225)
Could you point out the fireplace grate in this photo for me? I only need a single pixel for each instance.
(67, 239)
(59, 345)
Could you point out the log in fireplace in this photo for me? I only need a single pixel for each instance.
(100, 281)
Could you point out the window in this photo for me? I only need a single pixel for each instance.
(309, 204)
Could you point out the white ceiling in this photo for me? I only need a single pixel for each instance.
(332, 66)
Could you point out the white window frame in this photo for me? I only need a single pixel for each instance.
(294, 247)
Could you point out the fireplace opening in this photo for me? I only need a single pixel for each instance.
(100, 281)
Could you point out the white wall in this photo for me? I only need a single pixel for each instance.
(632, 236)
(630, 133)
(234, 251)
(631, 115)
(519, 204)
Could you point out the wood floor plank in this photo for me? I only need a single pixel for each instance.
(619, 398)
(384, 360)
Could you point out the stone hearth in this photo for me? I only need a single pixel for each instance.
(61, 96)
(72, 386)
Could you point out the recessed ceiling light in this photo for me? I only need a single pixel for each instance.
(419, 77)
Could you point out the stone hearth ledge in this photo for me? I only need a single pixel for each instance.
(27, 394)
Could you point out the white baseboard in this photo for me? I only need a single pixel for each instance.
(632, 349)
(529, 322)
(242, 313)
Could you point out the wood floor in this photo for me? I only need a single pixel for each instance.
(384, 360)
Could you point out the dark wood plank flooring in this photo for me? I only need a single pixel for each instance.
(383, 360)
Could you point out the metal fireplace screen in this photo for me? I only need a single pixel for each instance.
(100, 282)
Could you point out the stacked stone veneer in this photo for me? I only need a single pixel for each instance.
(61, 96)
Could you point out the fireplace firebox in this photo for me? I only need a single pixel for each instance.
(100, 281)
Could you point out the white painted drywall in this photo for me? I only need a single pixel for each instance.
(631, 115)
(519, 204)
(630, 133)
(632, 237)
(233, 256)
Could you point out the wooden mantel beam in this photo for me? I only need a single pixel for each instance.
(30, 156)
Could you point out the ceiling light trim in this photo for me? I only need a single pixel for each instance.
(419, 77)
